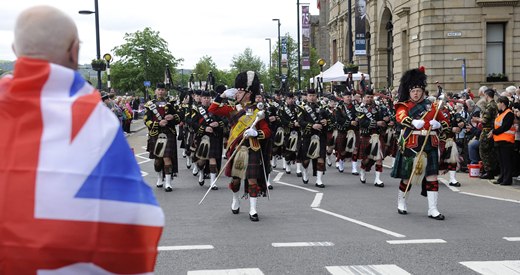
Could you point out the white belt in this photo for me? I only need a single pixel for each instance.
(424, 132)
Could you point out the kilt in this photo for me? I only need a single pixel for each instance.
(330, 138)
(254, 165)
(215, 146)
(306, 141)
(364, 146)
(403, 168)
(170, 150)
(391, 149)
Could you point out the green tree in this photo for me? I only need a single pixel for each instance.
(144, 56)
(246, 61)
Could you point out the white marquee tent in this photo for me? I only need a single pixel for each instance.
(335, 73)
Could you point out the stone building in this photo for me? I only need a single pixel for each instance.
(440, 35)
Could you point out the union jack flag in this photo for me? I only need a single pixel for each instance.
(72, 199)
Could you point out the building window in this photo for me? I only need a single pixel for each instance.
(495, 48)
(334, 51)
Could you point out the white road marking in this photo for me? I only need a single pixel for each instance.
(317, 200)
(366, 270)
(373, 227)
(239, 271)
(489, 197)
(185, 247)
(302, 244)
(277, 178)
(494, 267)
(296, 186)
(512, 239)
(420, 241)
(447, 183)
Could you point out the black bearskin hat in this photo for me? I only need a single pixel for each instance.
(311, 91)
(414, 78)
(220, 89)
(248, 81)
(205, 93)
(160, 85)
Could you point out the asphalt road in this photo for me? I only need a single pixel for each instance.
(346, 228)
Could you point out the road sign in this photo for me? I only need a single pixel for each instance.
(147, 83)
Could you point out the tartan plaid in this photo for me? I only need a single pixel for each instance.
(403, 171)
(215, 148)
(169, 151)
(306, 141)
(254, 165)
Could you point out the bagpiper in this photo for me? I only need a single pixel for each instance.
(208, 139)
(348, 133)
(370, 150)
(160, 119)
(248, 131)
(289, 120)
(313, 121)
(418, 156)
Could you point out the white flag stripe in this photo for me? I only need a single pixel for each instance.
(366, 270)
(240, 271)
(494, 267)
(420, 241)
(185, 247)
(302, 244)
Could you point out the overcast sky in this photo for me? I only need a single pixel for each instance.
(192, 28)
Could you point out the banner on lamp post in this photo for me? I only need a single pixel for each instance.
(306, 38)
(285, 61)
(360, 47)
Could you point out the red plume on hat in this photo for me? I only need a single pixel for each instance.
(422, 69)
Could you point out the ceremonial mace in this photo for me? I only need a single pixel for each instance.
(259, 116)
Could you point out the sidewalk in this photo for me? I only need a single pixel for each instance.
(136, 126)
(479, 187)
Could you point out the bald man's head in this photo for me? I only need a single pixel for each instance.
(47, 33)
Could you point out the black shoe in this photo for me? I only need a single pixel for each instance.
(487, 176)
(341, 171)
(439, 217)
(363, 181)
(235, 211)
(201, 183)
(168, 189)
(320, 185)
(299, 175)
(254, 218)
(195, 174)
(188, 166)
(379, 185)
(270, 187)
(214, 187)
(159, 186)
(402, 212)
(495, 182)
(288, 172)
(305, 181)
(355, 173)
(456, 184)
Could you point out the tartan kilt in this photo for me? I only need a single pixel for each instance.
(215, 146)
(341, 142)
(391, 149)
(170, 150)
(254, 165)
(401, 171)
(364, 146)
(330, 138)
(306, 142)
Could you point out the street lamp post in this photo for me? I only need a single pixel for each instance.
(270, 64)
(98, 49)
(279, 51)
(463, 69)
(321, 63)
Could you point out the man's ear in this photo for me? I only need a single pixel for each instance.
(74, 53)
